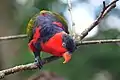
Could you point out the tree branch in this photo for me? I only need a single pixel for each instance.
(98, 42)
(13, 37)
(78, 43)
(30, 66)
(105, 10)
(70, 11)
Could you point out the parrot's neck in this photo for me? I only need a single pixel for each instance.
(54, 45)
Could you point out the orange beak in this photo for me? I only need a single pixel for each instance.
(67, 57)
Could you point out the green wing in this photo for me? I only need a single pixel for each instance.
(30, 26)
(32, 21)
(62, 20)
(59, 18)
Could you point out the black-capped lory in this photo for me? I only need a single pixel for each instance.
(48, 32)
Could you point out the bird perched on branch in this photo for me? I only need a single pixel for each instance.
(48, 32)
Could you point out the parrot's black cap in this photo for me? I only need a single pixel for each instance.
(69, 43)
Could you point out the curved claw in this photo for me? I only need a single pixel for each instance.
(39, 62)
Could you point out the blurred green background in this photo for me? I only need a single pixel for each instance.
(89, 62)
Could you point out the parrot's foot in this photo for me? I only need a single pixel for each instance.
(38, 62)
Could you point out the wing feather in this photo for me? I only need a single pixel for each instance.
(30, 26)
(62, 20)
(31, 23)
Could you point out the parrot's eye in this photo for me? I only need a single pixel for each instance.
(64, 44)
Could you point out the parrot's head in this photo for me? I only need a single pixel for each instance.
(70, 46)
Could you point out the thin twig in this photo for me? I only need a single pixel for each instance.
(98, 42)
(70, 11)
(104, 5)
(30, 66)
(13, 37)
(78, 42)
(105, 10)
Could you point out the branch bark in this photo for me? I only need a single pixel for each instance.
(78, 43)
(105, 10)
(22, 36)
(30, 66)
(98, 42)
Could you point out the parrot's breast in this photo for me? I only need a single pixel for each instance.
(54, 45)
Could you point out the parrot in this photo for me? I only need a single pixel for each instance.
(48, 32)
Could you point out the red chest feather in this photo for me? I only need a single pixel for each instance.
(54, 45)
(35, 38)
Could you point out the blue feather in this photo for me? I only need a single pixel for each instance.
(47, 29)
